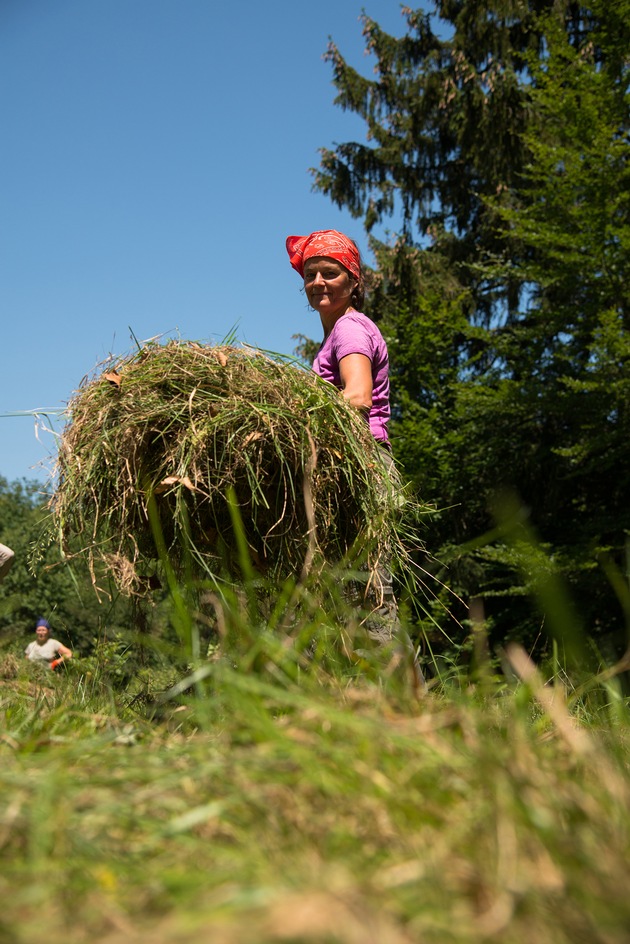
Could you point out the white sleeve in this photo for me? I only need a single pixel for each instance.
(6, 560)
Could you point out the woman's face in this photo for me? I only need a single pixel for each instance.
(328, 286)
(42, 634)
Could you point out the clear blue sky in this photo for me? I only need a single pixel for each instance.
(155, 155)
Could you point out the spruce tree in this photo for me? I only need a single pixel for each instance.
(497, 139)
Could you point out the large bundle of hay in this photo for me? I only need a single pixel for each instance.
(168, 443)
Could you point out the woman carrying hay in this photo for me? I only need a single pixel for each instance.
(353, 357)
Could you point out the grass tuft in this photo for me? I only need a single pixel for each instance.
(176, 440)
(272, 811)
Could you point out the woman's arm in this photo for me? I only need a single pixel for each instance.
(64, 651)
(355, 371)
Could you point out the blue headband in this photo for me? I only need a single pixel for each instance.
(42, 622)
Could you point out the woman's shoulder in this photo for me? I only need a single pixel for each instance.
(357, 321)
(356, 318)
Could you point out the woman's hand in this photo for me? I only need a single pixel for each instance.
(355, 371)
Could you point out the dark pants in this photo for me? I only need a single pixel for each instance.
(382, 624)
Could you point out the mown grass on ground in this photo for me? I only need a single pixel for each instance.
(339, 811)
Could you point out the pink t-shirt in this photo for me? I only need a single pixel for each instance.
(354, 333)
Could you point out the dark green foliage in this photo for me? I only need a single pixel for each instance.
(499, 137)
(40, 583)
(48, 589)
(444, 122)
(566, 356)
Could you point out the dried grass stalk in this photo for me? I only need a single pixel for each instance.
(180, 427)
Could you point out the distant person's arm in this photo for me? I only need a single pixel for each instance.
(63, 653)
(6, 560)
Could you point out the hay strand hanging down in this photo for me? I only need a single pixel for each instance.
(175, 432)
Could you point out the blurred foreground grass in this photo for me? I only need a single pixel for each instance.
(262, 808)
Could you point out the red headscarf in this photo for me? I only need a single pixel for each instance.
(325, 242)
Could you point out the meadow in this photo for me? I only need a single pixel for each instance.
(257, 798)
